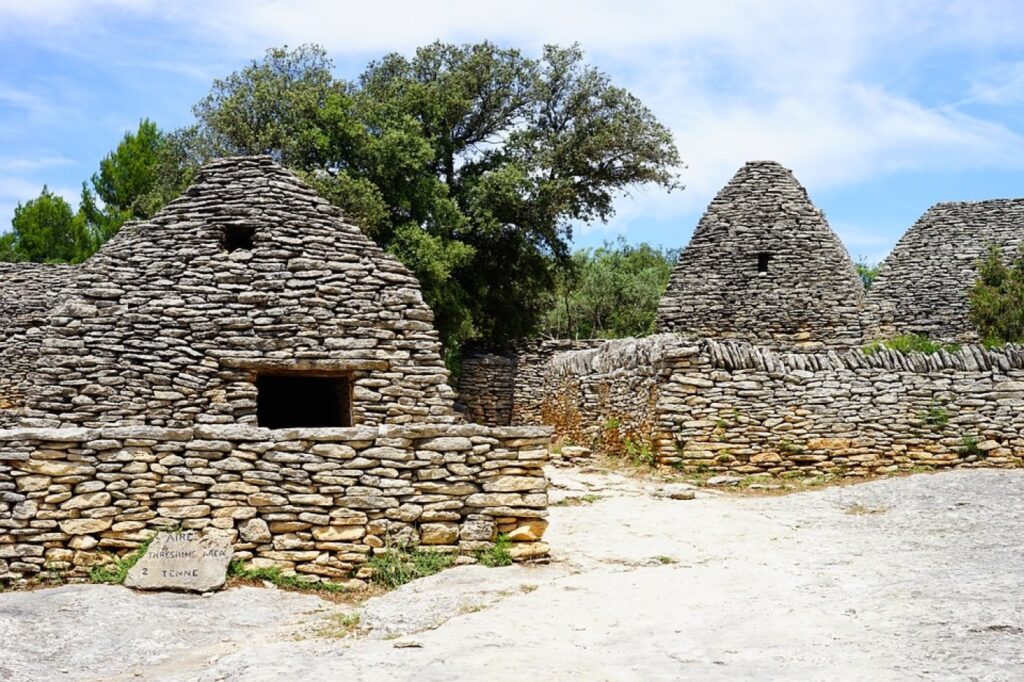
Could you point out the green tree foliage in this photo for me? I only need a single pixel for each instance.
(867, 272)
(610, 292)
(997, 298)
(46, 230)
(470, 163)
(146, 170)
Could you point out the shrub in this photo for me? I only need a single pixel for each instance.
(997, 298)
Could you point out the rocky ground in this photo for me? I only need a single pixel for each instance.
(907, 578)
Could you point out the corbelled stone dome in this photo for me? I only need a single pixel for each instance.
(764, 266)
(922, 285)
(248, 285)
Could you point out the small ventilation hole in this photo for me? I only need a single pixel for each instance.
(238, 237)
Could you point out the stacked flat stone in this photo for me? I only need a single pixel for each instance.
(809, 297)
(504, 387)
(315, 501)
(28, 291)
(165, 326)
(922, 286)
(713, 406)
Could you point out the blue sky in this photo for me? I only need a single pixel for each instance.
(880, 108)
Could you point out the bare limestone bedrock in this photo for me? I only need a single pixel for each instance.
(809, 295)
(922, 285)
(316, 501)
(183, 561)
(726, 406)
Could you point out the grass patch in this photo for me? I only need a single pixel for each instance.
(498, 555)
(969, 447)
(910, 343)
(861, 510)
(589, 498)
(338, 626)
(638, 453)
(665, 560)
(790, 448)
(936, 416)
(398, 566)
(115, 573)
(277, 577)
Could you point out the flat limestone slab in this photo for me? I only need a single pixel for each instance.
(184, 561)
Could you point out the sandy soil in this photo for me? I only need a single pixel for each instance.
(910, 578)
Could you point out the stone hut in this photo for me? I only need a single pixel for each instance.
(248, 300)
(28, 291)
(764, 266)
(922, 286)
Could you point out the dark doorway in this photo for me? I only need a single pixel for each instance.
(290, 400)
(762, 262)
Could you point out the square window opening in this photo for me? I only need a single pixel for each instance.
(296, 400)
(762, 262)
(238, 237)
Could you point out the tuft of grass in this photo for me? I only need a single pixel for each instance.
(910, 343)
(858, 509)
(115, 573)
(612, 423)
(790, 448)
(640, 454)
(400, 565)
(277, 577)
(936, 416)
(498, 555)
(589, 498)
(969, 447)
(666, 560)
(339, 625)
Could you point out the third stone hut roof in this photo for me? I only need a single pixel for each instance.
(764, 266)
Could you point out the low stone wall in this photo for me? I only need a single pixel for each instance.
(317, 501)
(730, 407)
(502, 387)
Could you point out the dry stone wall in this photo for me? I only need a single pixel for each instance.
(28, 291)
(922, 285)
(502, 387)
(316, 501)
(730, 407)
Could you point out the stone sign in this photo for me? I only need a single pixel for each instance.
(187, 561)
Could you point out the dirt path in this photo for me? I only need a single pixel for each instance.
(910, 578)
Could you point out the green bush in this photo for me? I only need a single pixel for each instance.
(997, 298)
(969, 447)
(935, 416)
(910, 343)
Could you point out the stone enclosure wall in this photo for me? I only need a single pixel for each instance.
(317, 501)
(502, 387)
(730, 407)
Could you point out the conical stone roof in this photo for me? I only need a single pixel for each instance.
(764, 266)
(249, 271)
(922, 285)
